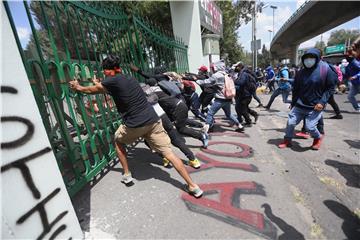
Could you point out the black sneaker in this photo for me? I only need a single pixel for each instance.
(339, 116)
(256, 117)
(247, 125)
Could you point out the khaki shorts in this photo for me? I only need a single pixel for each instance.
(154, 134)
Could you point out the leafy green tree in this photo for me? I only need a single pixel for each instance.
(343, 36)
(320, 45)
(264, 57)
(234, 13)
(157, 12)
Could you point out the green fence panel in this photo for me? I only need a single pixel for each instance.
(69, 39)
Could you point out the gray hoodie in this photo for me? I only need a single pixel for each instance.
(217, 79)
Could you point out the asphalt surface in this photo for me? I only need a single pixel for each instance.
(292, 193)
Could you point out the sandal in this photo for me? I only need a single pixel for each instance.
(196, 192)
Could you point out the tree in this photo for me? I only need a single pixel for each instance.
(264, 57)
(157, 11)
(342, 36)
(320, 45)
(234, 14)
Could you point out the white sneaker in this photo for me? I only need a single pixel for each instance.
(205, 129)
(127, 178)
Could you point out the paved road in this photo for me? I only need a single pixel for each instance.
(259, 193)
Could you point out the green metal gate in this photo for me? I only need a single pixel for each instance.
(68, 40)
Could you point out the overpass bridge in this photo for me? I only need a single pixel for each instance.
(310, 20)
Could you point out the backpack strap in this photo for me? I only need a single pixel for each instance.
(324, 67)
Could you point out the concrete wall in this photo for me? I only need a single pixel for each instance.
(34, 201)
(185, 18)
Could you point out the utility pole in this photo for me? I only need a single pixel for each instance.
(273, 8)
(270, 34)
(254, 36)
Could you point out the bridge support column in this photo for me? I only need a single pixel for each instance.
(294, 54)
(185, 16)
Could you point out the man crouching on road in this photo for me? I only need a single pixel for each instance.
(139, 119)
(313, 86)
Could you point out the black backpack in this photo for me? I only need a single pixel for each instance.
(170, 88)
(251, 83)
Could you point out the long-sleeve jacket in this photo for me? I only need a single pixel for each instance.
(310, 87)
(217, 79)
(353, 70)
(270, 74)
(245, 85)
(283, 79)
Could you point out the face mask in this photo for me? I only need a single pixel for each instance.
(309, 62)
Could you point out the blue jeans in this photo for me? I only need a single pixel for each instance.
(195, 107)
(285, 94)
(354, 90)
(311, 117)
(215, 107)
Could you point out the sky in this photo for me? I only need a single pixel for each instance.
(20, 19)
(264, 23)
(286, 8)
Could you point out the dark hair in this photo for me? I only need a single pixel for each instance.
(159, 70)
(111, 62)
(151, 81)
(357, 43)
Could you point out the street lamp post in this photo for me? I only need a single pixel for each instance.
(257, 8)
(269, 30)
(254, 37)
(273, 8)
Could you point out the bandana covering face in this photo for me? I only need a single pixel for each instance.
(108, 72)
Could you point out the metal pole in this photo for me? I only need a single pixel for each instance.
(269, 34)
(254, 37)
(273, 20)
(273, 8)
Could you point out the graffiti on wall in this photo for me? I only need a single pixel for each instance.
(35, 203)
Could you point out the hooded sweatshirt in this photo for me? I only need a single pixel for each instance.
(353, 70)
(283, 73)
(309, 88)
(245, 85)
(270, 73)
(217, 79)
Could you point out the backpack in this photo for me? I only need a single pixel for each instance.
(251, 84)
(169, 87)
(339, 74)
(229, 87)
(281, 73)
(324, 67)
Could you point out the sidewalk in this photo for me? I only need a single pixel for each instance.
(260, 193)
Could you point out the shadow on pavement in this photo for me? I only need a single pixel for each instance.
(270, 110)
(82, 200)
(352, 143)
(218, 127)
(141, 162)
(351, 224)
(351, 172)
(289, 232)
(342, 111)
(295, 145)
(282, 130)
